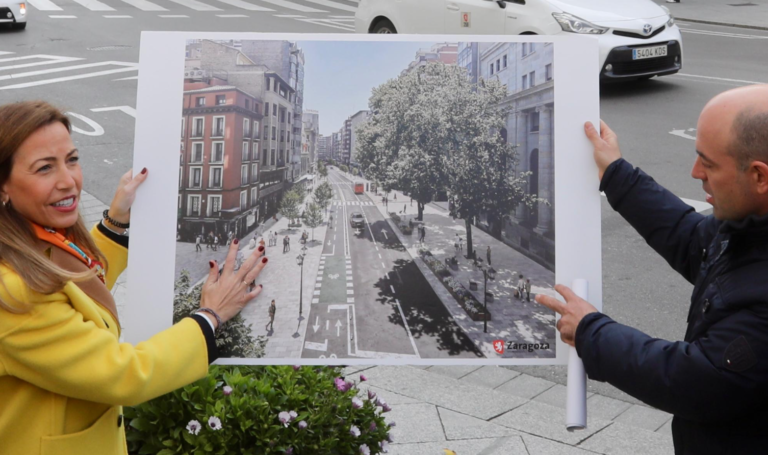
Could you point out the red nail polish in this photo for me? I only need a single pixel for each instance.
(236, 240)
(264, 260)
(211, 263)
(144, 171)
(261, 248)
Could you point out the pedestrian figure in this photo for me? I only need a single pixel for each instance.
(252, 243)
(422, 233)
(271, 323)
(520, 286)
(271, 238)
(411, 201)
(488, 254)
(528, 289)
(198, 240)
(330, 222)
(405, 206)
(230, 236)
(395, 198)
(286, 244)
(215, 242)
(262, 242)
(209, 241)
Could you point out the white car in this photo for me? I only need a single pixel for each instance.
(638, 38)
(14, 13)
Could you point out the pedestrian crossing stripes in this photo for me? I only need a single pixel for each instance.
(294, 6)
(33, 70)
(353, 203)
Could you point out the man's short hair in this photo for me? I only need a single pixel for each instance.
(750, 138)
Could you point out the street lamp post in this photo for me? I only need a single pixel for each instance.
(300, 262)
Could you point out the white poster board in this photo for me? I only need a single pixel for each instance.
(367, 294)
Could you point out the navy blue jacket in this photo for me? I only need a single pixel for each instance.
(715, 382)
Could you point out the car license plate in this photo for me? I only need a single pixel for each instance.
(649, 52)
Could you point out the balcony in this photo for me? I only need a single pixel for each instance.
(197, 134)
(219, 132)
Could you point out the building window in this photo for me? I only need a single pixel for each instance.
(282, 116)
(214, 178)
(548, 71)
(266, 108)
(265, 160)
(266, 132)
(245, 151)
(532, 78)
(248, 104)
(200, 101)
(504, 61)
(246, 127)
(214, 205)
(195, 177)
(181, 176)
(217, 153)
(498, 65)
(269, 84)
(243, 200)
(218, 127)
(221, 99)
(254, 196)
(272, 158)
(491, 68)
(193, 206)
(282, 136)
(182, 127)
(198, 127)
(197, 153)
(525, 81)
(256, 129)
(254, 173)
(244, 174)
(534, 122)
(525, 49)
(274, 133)
(274, 110)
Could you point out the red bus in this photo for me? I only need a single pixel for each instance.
(359, 188)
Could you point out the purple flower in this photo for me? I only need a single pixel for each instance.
(385, 408)
(293, 415)
(214, 423)
(371, 394)
(227, 390)
(354, 431)
(380, 401)
(341, 386)
(289, 450)
(372, 427)
(296, 367)
(357, 403)
(363, 378)
(389, 438)
(302, 425)
(365, 450)
(350, 385)
(284, 418)
(384, 446)
(193, 427)
(392, 424)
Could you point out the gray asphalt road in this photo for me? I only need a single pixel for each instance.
(638, 288)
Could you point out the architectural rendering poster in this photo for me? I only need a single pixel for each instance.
(413, 197)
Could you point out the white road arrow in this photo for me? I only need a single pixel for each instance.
(317, 324)
(681, 133)
(97, 129)
(338, 328)
(329, 241)
(384, 233)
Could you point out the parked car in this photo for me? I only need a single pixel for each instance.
(357, 220)
(638, 39)
(13, 13)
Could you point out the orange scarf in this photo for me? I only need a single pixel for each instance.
(57, 238)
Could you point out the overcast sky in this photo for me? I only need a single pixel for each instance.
(339, 76)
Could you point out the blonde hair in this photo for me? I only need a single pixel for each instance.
(18, 241)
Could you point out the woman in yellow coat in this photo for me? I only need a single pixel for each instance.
(64, 376)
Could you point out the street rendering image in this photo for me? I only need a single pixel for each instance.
(395, 236)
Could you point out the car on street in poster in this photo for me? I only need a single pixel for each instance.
(13, 13)
(638, 39)
(357, 220)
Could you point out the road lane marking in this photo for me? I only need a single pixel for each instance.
(229, 16)
(195, 5)
(723, 79)
(349, 285)
(350, 300)
(383, 266)
(350, 292)
(334, 5)
(52, 70)
(47, 60)
(383, 258)
(393, 288)
(132, 67)
(316, 346)
(144, 5)
(173, 16)
(44, 5)
(117, 17)
(327, 23)
(245, 5)
(722, 34)
(408, 329)
(94, 5)
(290, 16)
(294, 6)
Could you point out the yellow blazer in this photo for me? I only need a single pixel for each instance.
(64, 376)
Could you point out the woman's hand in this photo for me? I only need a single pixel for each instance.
(227, 293)
(120, 209)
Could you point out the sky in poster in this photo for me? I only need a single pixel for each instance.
(339, 76)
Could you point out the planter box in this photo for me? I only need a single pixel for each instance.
(464, 298)
(295, 225)
(473, 285)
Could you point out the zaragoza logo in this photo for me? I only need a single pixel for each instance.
(498, 346)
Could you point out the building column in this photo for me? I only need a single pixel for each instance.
(521, 140)
(546, 170)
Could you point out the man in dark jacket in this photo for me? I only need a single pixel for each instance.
(715, 382)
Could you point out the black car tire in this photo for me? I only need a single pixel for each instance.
(19, 25)
(383, 26)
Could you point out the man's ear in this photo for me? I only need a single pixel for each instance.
(759, 172)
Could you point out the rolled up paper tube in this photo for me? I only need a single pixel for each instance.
(576, 402)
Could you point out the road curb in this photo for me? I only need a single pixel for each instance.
(725, 24)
